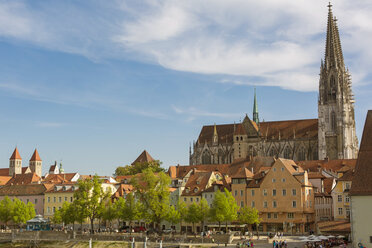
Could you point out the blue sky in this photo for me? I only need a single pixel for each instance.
(93, 83)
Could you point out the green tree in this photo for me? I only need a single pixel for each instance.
(192, 215)
(153, 192)
(218, 209)
(110, 212)
(249, 216)
(57, 217)
(182, 209)
(232, 208)
(90, 199)
(203, 212)
(174, 216)
(6, 210)
(22, 212)
(138, 168)
(129, 209)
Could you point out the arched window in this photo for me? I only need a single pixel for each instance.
(333, 121)
(206, 157)
(287, 152)
(272, 152)
(301, 154)
(332, 88)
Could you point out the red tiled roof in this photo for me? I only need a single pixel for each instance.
(59, 178)
(347, 176)
(332, 165)
(35, 156)
(123, 190)
(4, 179)
(143, 157)
(23, 190)
(15, 154)
(315, 175)
(362, 183)
(196, 183)
(239, 130)
(21, 179)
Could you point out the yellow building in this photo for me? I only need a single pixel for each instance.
(340, 196)
(56, 196)
(361, 190)
(284, 197)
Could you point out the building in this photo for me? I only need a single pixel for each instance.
(33, 193)
(56, 196)
(361, 190)
(331, 136)
(340, 196)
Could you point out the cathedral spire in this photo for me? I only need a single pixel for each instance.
(215, 135)
(333, 51)
(255, 108)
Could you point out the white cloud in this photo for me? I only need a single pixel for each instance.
(278, 41)
(193, 112)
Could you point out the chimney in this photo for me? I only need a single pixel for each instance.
(252, 170)
(326, 159)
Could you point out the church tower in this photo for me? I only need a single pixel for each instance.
(36, 163)
(336, 128)
(255, 109)
(15, 163)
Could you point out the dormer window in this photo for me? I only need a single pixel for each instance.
(73, 188)
(197, 182)
(195, 190)
(55, 188)
(187, 190)
(64, 188)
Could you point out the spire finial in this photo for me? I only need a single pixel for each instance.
(329, 6)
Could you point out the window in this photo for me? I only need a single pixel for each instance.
(340, 212)
(71, 199)
(241, 204)
(252, 192)
(275, 216)
(48, 209)
(339, 198)
(35, 201)
(54, 199)
(265, 192)
(274, 192)
(301, 154)
(191, 199)
(274, 204)
(65, 198)
(294, 192)
(347, 185)
(287, 152)
(59, 199)
(269, 215)
(253, 205)
(333, 121)
(284, 192)
(197, 199)
(236, 192)
(184, 199)
(282, 169)
(54, 209)
(290, 215)
(309, 191)
(48, 199)
(265, 204)
(274, 169)
(283, 180)
(272, 152)
(347, 198)
(273, 180)
(294, 204)
(241, 192)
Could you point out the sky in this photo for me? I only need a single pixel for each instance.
(92, 83)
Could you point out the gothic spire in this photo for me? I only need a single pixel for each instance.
(333, 51)
(215, 135)
(255, 108)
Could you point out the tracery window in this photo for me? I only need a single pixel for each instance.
(287, 152)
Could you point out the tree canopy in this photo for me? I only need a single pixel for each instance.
(138, 168)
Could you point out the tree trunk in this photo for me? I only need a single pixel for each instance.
(91, 226)
(258, 236)
(219, 226)
(226, 227)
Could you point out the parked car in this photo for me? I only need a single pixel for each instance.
(139, 229)
(124, 229)
(168, 230)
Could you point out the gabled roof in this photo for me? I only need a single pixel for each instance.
(123, 190)
(21, 179)
(347, 176)
(362, 183)
(143, 157)
(35, 156)
(15, 154)
(328, 184)
(23, 190)
(59, 178)
(4, 179)
(197, 183)
(334, 165)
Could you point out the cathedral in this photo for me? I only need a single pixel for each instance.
(331, 136)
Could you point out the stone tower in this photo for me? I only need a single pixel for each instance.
(336, 128)
(36, 163)
(15, 163)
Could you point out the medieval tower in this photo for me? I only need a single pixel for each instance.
(15, 163)
(36, 163)
(336, 123)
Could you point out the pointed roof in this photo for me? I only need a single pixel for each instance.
(144, 157)
(35, 156)
(362, 183)
(333, 51)
(255, 108)
(15, 154)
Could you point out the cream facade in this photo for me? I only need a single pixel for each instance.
(361, 220)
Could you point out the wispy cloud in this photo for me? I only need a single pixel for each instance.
(193, 112)
(280, 42)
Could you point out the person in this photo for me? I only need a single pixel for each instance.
(274, 245)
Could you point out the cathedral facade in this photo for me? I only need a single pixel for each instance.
(330, 136)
